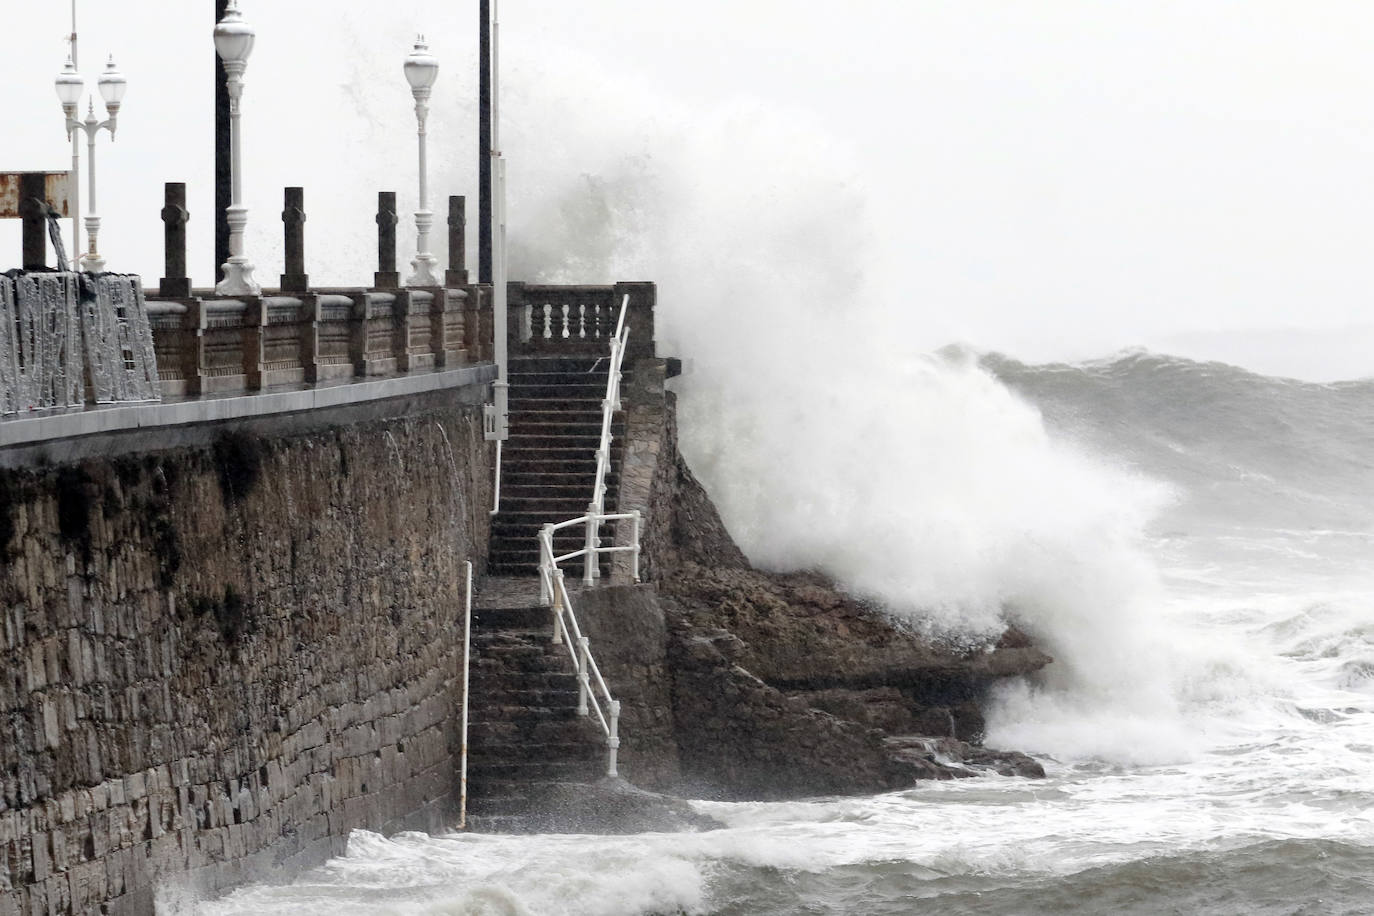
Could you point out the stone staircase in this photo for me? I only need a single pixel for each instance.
(549, 461)
(524, 731)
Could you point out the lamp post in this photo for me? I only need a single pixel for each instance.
(69, 87)
(421, 71)
(234, 42)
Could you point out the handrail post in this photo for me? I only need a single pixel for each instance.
(583, 675)
(559, 628)
(545, 563)
(613, 739)
(590, 567)
(467, 665)
(635, 553)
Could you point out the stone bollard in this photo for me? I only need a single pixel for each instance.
(33, 208)
(387, 276)
(457, 274)
(176, 285)
(295, 279)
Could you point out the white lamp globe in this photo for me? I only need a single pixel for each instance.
(112, 86)
(69, 85)
(234, 37)
(421, 68)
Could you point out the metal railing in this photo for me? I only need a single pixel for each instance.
(553, 591)
(609, 405)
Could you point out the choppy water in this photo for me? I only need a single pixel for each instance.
(1243, 782)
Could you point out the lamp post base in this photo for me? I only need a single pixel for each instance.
(238, 279)
(424, 273)
(91, 261)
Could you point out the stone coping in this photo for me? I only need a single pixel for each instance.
(62, 424)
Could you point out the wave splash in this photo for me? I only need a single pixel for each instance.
(828, 433)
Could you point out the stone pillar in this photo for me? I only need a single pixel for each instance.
(33, 208)
(457, 274)
(473, 341)
(176, 285)
(639, 316)
(387, 276)
(295, 279)
(254, 341)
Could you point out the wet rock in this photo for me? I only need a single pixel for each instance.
(608, 806)
(950, 758)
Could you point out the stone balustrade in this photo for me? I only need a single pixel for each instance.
(209, 345)
(566, 319)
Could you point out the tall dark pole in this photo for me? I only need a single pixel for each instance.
(484, 145)
(223, 177)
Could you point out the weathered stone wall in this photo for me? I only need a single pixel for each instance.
(217, 659)
(680, 521)
(629, 637)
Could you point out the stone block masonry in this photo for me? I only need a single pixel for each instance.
(218, 659)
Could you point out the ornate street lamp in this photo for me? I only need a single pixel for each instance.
(421, 71)
(234, 42)
(69, 87)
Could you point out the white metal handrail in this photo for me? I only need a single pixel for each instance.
(553, 591)
(597, 507)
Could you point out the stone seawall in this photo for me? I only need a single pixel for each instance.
(217, 659)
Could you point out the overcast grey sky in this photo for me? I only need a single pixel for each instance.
(1057, 179)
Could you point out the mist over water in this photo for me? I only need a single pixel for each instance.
(1189, 540)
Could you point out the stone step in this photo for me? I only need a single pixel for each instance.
(563, 429)
(562, 458)
(569, 364)
(527, 525)
(536, 771)
(506, 696)
(520, 440)
(563, 391)
(571, 486)
(553, 474)
(518, 551)
(553, 375)
(551, 681)
(564, 495)
(494, 735)
(517, 567)
(519, 618)
(510, 712)
(554, 509)
(505, 659)
(520, 403)
(575, 411)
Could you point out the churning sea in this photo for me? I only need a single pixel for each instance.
(1238, 780)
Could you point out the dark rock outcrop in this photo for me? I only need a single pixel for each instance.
(783, 684)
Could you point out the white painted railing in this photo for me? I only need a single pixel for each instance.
(553, 591)
(597, 508)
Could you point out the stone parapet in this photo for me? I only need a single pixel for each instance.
(208, 345)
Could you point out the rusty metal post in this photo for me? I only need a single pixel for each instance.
(387, 276)
(457, 274)
(176, 285)
(33, 208)
(295, 279)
